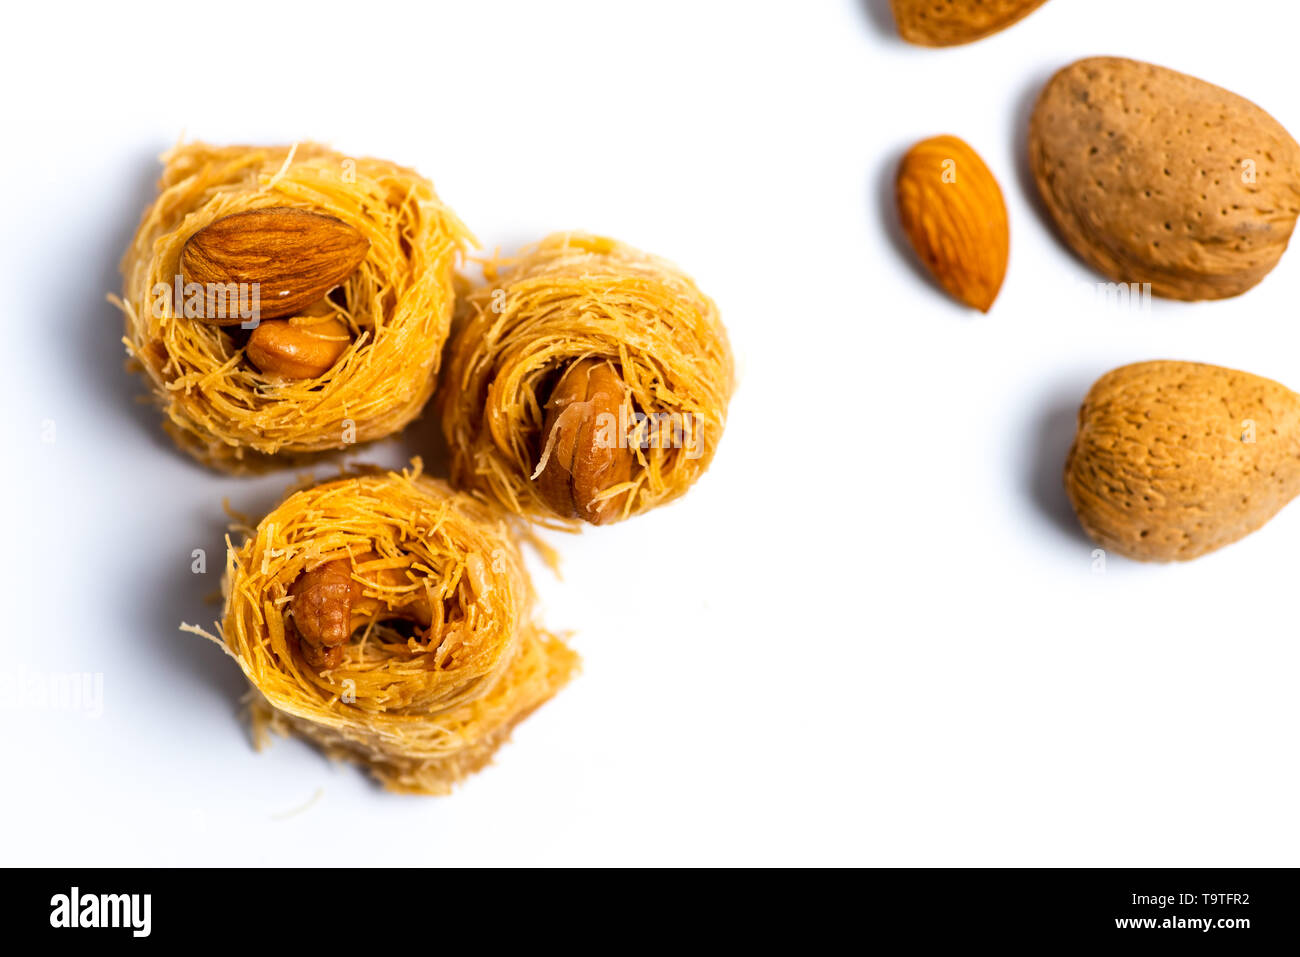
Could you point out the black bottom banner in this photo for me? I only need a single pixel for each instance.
(346, 908)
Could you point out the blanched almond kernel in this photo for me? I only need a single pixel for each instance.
(278, 347)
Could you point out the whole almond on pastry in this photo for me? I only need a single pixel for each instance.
(295, 256)
(952, 211)
(580, 465)
(1155, 176)
(1175, 459)
(945, 23)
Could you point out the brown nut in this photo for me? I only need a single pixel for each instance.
(292, 256)
(282, 348)
(321, 605)
(945, 23)
(328, 603)
(1153, 176)
(583, 454)
(1172, 460)
(952, 211)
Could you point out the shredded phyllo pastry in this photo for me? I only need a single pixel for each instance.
(389, 619)
(396, 306)
(587, 351)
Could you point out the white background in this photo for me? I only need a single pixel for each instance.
(871, 635)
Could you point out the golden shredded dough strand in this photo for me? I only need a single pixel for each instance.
(397, 305)
(420, 715)
(570, 297)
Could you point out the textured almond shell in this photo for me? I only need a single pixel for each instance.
(943, 23)
(1162, 467)
(952, 211)
(1142, 169)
